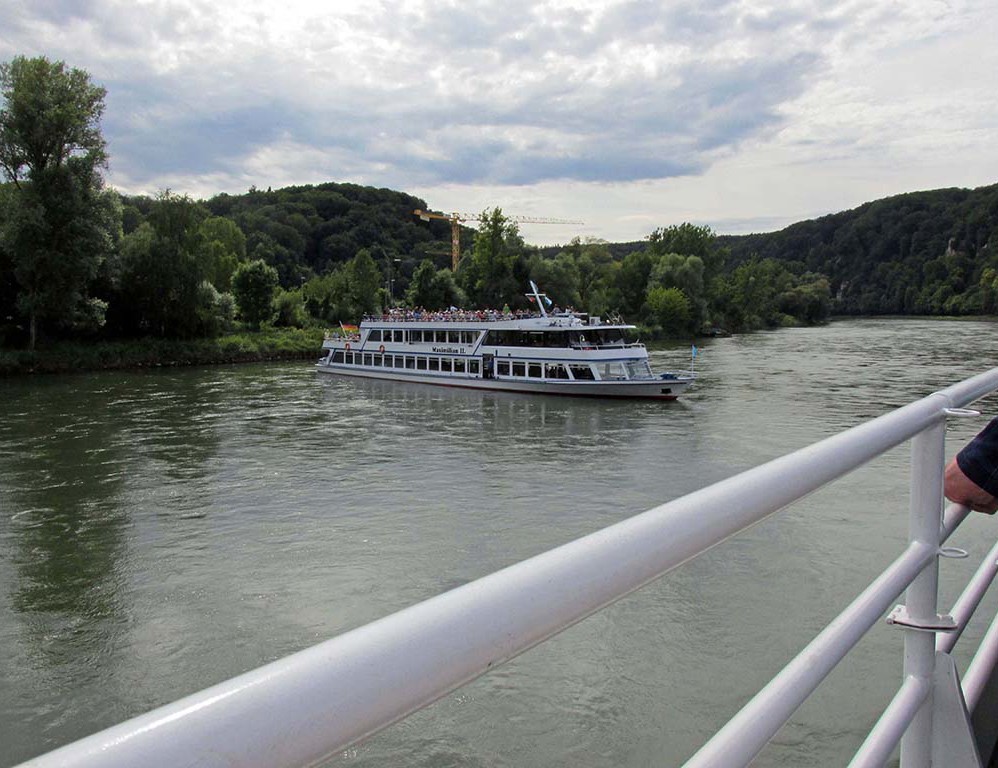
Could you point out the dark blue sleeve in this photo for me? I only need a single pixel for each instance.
(979, 459)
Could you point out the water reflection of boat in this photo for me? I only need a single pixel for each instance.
(564, 353)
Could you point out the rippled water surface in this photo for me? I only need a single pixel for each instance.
(161, 531)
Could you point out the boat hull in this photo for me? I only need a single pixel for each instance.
(661, 388)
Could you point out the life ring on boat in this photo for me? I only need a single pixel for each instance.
(381, 349)
(346, 347)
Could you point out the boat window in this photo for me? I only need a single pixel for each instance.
(389, 361)
(445, 364)
(421, 363)
(610, 337)
(557, 339)
(434, 363)
(534, 370)
(502, 367)
(555, 371)
(468, 337)
(614, 371)
(519, 368)
(582, 372)
(637, 369)
(377, 361)
(368, 358)
(410, 361)
(398, 336)
(473, 367)
(374, 334)
(338, 356)
(459, 366)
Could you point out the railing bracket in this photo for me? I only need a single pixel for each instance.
(962, 413)
(953, 552)
(942, 623)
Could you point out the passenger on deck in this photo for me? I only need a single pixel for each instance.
(971, 477)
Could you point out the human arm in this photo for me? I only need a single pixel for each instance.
(971, 478)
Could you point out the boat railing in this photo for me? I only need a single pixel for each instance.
(593, 345)
(457, 316)
(313, 704)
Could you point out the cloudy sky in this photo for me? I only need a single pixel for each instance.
(745, 116)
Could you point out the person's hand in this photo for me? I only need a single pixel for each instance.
(961, 489)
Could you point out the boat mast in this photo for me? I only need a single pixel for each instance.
(538, 298)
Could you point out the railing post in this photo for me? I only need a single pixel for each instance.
(924, 523)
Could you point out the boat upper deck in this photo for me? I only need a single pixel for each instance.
(396, 315)
(471, 318)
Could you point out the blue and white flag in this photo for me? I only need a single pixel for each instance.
(695, 350)
(548, 301)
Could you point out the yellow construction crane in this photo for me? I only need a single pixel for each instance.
(455, 220)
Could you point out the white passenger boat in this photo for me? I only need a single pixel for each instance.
(562, 353)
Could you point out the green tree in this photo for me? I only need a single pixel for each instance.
(594, 267)
(215, 311)
(431, 288)
(632, 283)
(289, 310)
(685, 273)
(253, 286)
(557, 277)
(752, 295)
(363, 281)
(221, 250)
(58, 224)
(160, 287)
(691, 240)
(495, 263)
(989, 291)
(670, 308)
(808, 300)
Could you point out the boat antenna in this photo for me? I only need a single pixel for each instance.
(538, 298)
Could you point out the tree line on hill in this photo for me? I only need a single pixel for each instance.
(78, 260)
(922, 253)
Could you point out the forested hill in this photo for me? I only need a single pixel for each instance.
(917, 253)
(933, 252)
(308, 230)
(930, 252)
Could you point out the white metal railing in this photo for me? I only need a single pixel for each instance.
(308, 706)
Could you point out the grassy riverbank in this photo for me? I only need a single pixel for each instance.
(62, 357)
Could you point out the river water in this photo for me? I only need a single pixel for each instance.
(164, 530)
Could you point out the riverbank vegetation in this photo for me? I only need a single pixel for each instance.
(69, 356)
(111, 275)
